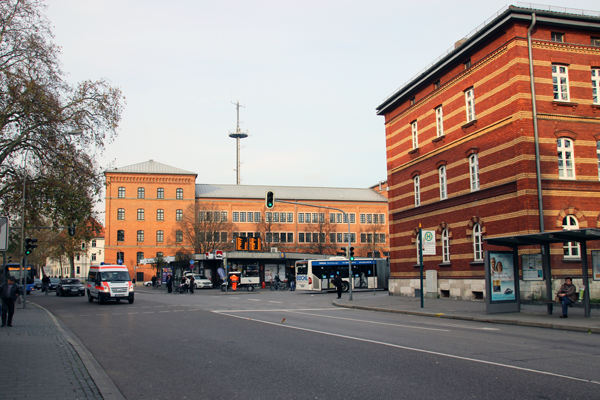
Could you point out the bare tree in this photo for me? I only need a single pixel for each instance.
(266, 228)
(372, 235)
(202, 229)
(320, 230)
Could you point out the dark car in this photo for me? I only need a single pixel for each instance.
(70, 286)
(53, 283)
(37, 284)
(508, 291)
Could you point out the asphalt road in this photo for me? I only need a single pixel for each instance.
(296, 345)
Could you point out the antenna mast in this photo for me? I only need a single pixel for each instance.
(238, 134)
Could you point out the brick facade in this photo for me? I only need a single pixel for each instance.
(491, 69)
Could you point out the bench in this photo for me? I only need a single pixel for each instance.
(550, 304)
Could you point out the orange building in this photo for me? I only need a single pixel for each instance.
(500, 136)
(155, 209)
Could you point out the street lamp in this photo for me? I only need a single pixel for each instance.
(76, 132)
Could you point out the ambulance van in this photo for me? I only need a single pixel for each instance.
(109, 282)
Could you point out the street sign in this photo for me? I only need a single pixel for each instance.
(4, 228)
(429, 243)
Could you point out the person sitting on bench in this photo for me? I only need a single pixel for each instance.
(567, 296)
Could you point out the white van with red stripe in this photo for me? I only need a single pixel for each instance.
(109, 282)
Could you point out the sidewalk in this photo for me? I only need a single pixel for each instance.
(530, 315)
(42, 359)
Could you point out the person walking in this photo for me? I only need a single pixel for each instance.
(192, 284)
(337, 282)
(9, 292)
(153, 282)
(292, 281)
(567, 296)
(169, 284)
(45, 284)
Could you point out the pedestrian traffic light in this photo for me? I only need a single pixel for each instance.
(30, 244)
(270, 199)
(82, 246)
(71, 231)
(351, 253)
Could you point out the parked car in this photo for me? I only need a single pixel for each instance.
(70, 286)
(148, 283)
(202, 282)
(37, 284)
(53, 283)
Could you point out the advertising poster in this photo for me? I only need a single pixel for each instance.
(166, 271)
(596, 265)
(502, 272)
(532, 267)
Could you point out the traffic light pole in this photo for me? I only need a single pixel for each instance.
(351, 278)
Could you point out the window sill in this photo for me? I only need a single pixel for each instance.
(571, 260)
(414, 151)
(476, 263)
(445, 265)
(469, 124)
(438, 139)
(556, 103)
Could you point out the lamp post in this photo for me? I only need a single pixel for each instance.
(76, 132)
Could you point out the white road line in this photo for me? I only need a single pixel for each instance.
(270, 301)
(372, 322)
(252, 299)
(178, 310)
(286, 309)
(164, 311)
(436, 353)
(148, 312)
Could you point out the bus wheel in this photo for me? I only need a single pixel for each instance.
(345, 286)
(250, 288)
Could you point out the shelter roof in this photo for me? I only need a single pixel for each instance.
(576, 235)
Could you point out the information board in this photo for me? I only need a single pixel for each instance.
(428, 243)
(596, 265)
(502, 272)
(532, 267)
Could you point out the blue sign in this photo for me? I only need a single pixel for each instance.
(119, 261)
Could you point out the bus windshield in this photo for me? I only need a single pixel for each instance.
(15, 270)
(301, 268)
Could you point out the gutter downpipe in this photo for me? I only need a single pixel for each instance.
(547, 268)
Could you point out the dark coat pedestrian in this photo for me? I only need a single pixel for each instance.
(337, 282)
(292, 281)
(9, 292)
(192, 283)
(154, 281)
(567, 296)
(169, 284)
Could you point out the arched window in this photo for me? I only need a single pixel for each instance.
(179, 215)
(121, 214)
(477, 243)
(445, 246)
(160, 215)
(417, 185)
(415, 135)
(140, 214)
(566, 159)
(160, 193)
(474, 172)
(571, 249)
(160, 236)
(443, 186)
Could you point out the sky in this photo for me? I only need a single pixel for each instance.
(309, 74)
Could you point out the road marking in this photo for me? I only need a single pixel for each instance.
(178, 310)
(285, 309)
(253, 299)
(372, 322)
(68, 315)
(148, 312)
(174, 305)
(164, 311)
(397, 346)
(270, 301)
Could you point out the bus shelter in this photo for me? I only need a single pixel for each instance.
(544, 239)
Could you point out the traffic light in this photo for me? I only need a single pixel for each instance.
(71, 231)
(82, 246)
(270, 199)
(345, 250)
(30, 244)
(351, 253)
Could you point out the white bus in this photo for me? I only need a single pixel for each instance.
(318, 274)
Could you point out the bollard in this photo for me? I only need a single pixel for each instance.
(263, 285)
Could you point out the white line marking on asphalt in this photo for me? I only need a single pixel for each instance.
(372, 322)
(234, 297)
(397, 346)
(270, 301)
(148, 312)
(164, 311)
(178, 310)
(174, 305)
(286, 309)
(253, 299)
(145, 306)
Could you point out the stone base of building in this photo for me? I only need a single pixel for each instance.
(474, 289)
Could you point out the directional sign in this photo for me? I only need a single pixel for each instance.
(428, 243)
(4, 228)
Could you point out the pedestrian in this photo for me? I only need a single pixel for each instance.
(337, 282)
(45, 284)
(154, 281)
(169, 284)
(192, 284)
(292, 281)
(9, 292)
(567, 296)
(184, 286)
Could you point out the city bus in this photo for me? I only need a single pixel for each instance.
(14, 269)
(317, 275)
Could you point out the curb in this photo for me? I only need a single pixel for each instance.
(106, 386)
(476, 319)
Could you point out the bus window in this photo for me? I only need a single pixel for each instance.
(302, 268)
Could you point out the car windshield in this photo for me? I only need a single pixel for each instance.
(200, 277)
(54, 280)
(115, 276)
(70, 281)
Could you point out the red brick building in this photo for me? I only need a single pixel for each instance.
(155, 209)
(461, 148)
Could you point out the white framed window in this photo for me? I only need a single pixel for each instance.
(121, 192)
(140, 236)
(445, 246)
(301, 218)
(160, 215)
(121, 211)
(571, 249)
(596, 85)
(160, 236)
(566, 159)
(178, 215)
(598, 153)
(558, 37)
(560, 82)
(415, 135)
(470, 104)
(474, 172)
(140, 214)
(477, 243)
(417, 186)
(443, 186)
(439, 121)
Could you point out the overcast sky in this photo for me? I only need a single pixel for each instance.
(309, 73)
